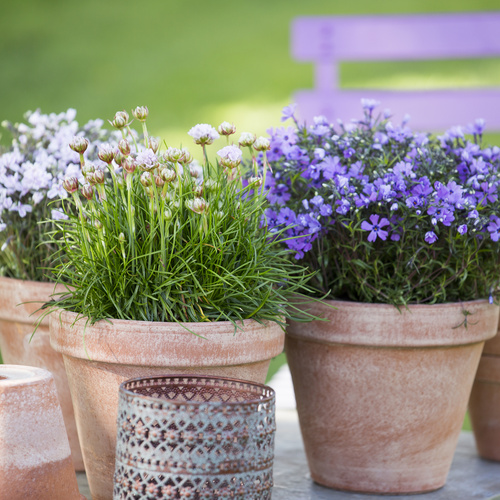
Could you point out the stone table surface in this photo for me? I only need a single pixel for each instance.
(470, 477)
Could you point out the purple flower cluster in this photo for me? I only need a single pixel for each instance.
(382, 179)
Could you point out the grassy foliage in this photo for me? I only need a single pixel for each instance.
(188, 250)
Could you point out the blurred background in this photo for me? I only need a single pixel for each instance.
(192, 62)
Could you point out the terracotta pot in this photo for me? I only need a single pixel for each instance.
(35, 458)
(484, 403)
(102, 356)
(18, 301)
(381, 395)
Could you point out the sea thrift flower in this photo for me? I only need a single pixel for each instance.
(79, 144)
(140, 113)
(262, 144)
(230, 156)
(247, 139)
(226, 128)
(203, 134)
(147, 160)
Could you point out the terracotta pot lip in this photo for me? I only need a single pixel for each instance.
(384, 325)
(149, 343)
(16, 375)
(380, 305)
(28, 282)
(64, 313)
(131, 394)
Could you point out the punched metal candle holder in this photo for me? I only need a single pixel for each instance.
(194, 437)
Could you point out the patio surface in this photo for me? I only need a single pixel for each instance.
(470, 477)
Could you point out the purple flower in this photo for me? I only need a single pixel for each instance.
(369, 104)
(462, 229)
(348, 152)
(278, 194)
(325, 210)
(375, 228)
(288, 112)
(494, 228)
(430, 237)
(286, 216)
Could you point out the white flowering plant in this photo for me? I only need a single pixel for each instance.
(164, 238)
(32, 169)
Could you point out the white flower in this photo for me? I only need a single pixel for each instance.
(262, 144)
(230, 156)
(246, 139)
(203, 134)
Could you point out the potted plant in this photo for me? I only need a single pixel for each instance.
(403, 230)
(484, 403)
(169, 269)
(31, 171)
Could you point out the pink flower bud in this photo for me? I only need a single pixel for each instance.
(187, 157)
(106, 153)
(226, 128)
(262, 144)
(120, 120)
(198, 205)
(173, 155)
(79, 144)
(247, 139)
(154, 144)
(146, 179)
(87, 191)
(140, 113)
(70, 184)
(87, 169)
(129, 165)
(124, 147)
(167, 174)
(99, 176)
(119, 158)
(159, 181)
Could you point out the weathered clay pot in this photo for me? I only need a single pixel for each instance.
(35, 458)
(99, 358)
(382, 394)
(18, 301)
(484, 403)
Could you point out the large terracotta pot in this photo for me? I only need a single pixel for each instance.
(484, 404)
(35, 458)
(18, 301)
(382, 394)
(100, 357)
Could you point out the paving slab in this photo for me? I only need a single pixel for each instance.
(470, 478)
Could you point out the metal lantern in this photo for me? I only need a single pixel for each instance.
(194, 437)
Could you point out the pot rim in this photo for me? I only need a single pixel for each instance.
(384, 325)
(149, 343)
(131, 394)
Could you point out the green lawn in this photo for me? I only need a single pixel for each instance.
(190, 62)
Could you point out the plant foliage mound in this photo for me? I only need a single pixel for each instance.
(152, 235)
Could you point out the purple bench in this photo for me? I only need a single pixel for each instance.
(326, 41)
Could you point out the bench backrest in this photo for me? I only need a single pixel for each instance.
(326, 41)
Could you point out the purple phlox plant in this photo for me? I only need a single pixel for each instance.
(376, 181)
